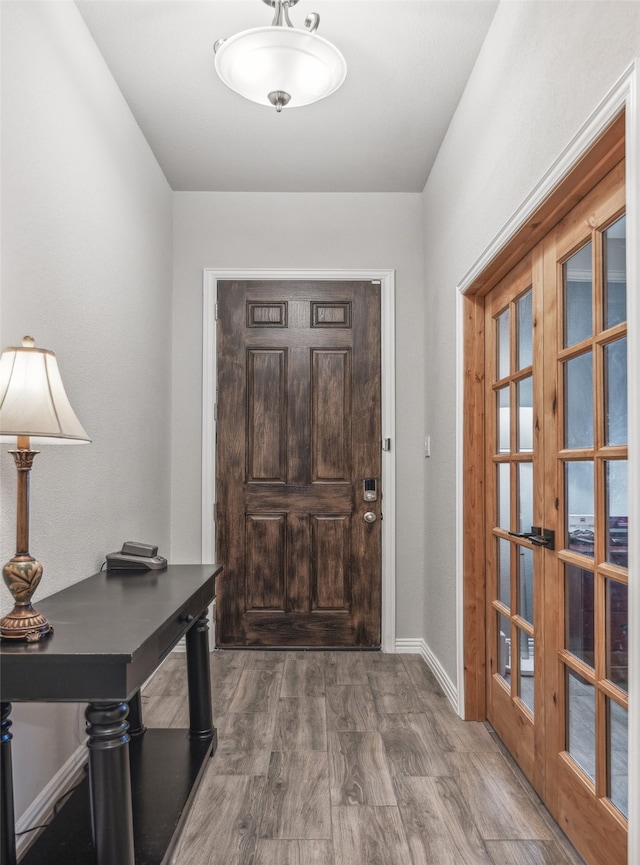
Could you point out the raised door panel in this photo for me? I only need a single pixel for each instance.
(266, 415)
(330, 562)
(265, 546)
(331, 415)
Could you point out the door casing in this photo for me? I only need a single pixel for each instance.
(211, 276)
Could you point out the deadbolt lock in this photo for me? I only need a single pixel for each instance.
(370, 490)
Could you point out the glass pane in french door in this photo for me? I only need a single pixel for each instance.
(592, 563)
(615, 272)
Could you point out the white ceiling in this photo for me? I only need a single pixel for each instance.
(408, 62)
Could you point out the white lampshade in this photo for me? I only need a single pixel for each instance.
(33, 401)
(257, 62)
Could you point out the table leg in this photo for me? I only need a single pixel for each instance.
(136, 725)
(8, 824)
(110, 783)
(198, 678)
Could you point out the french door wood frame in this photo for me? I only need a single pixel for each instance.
(211, 276)
(613, 132)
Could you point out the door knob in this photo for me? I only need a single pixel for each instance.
(370, 517)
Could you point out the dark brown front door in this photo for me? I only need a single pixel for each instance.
(298, 436)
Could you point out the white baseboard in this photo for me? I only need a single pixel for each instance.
(419, 647)
(40, 811)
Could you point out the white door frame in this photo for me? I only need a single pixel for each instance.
(211, 275)
(624, 94)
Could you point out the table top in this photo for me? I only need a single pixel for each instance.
(110, 632)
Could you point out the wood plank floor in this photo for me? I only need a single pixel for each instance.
(348, 758)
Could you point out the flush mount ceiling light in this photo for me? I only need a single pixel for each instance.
(281, 64)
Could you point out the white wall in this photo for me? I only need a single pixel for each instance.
(86, 271)
(253, 230)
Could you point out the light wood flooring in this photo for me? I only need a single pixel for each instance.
(349, 758)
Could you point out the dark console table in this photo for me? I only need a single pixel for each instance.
(110, 633)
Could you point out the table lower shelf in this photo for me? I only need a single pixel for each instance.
(166, 768)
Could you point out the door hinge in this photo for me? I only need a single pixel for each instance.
(215, 512)
(215, 411)
(215, 311)
(386, 444)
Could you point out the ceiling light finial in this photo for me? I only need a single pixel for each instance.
(279, 99)
(281, 65)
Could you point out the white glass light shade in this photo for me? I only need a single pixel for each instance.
(33, 401)
(257, 62)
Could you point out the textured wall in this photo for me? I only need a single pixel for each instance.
(86, 270)
(247, 230)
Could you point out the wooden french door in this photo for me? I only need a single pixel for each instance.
(514, 444)
(556, 479)
(298, 464)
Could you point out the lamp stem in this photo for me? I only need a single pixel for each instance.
(23, 457)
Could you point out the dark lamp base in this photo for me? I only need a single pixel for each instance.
(24, 623)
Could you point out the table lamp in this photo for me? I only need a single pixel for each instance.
(34, 409)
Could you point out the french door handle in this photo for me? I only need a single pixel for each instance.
(538, 536)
